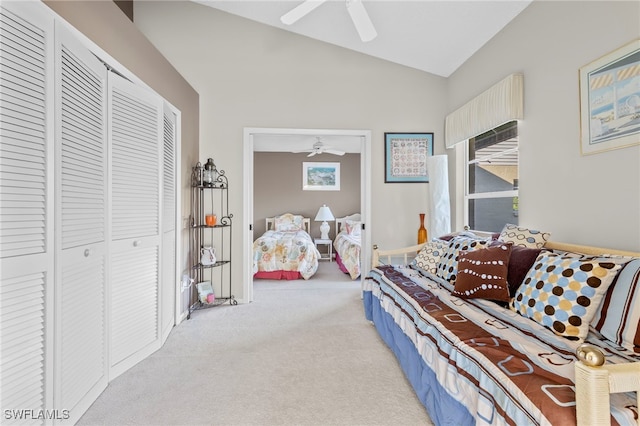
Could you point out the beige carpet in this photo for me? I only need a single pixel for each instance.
(301, 354)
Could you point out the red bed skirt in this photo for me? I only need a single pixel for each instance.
(277, 275)
(341, 265)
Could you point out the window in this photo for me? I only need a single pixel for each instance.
(491, 193)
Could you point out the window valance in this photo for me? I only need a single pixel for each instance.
(499, 104)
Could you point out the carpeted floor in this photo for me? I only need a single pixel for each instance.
(301, 354)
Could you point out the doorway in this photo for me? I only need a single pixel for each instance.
(287, 140)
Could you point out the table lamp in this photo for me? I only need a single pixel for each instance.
(324, 214)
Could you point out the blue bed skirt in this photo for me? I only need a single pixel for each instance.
(442, 408)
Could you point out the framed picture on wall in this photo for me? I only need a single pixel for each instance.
(320, 176)
(610, 100)
(405, 156)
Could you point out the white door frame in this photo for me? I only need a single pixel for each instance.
(247, 201)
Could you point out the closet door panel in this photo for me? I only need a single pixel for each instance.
(136, 187)
(82, 341)
(169, 279)
(134, 295)
(26, 208)
(81, 206)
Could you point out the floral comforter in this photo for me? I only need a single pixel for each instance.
(348, 248)
(286, 251)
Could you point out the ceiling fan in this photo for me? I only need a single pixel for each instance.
(320, 148)
(356, 10)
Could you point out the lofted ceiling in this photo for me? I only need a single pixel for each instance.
(429, 35)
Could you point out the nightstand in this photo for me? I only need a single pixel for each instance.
(328, 255)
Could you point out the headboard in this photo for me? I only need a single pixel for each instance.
(341, 220)
(270, 223)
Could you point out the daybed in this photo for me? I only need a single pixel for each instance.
(285, 250)
(477, 352)
(347, 244)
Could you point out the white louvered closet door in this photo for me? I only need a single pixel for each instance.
(168, 265)
(26, 206)
(81, 224)
(136, 187)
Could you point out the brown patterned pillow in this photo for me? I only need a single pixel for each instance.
(483, 273)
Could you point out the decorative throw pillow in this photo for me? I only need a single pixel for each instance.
(520, 262)
(288, 222)
(483, 273)
(525, 237)
(563, 293)
(618, 318)
(447, 267)
(428, 258)
(353, 227)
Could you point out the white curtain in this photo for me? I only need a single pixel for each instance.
(439, 217)
(497, 105)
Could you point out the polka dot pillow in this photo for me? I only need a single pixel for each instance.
(523, 237)
(428, 258)
(563, 293)
(447, 268)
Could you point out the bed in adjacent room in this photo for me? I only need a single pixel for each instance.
(286, 250)
(347, 244)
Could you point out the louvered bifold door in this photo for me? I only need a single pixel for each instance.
(81, 225)
(26, 211)
(168, 266)
(136, 187)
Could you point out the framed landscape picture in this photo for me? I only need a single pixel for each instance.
(405, 156)
(610, 100)
(320, 176)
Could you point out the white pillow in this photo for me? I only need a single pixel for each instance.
(354, 227)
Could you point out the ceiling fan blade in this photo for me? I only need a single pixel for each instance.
(312, 153)
(334, 152)
(361, 20)
(301, 151)
(299, 11)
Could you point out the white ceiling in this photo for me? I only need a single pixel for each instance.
(429, 35)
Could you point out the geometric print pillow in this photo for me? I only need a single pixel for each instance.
(525, 237)
(563, 293)
(429, 256)
(447, 267)
(482, 274)
(618, 317)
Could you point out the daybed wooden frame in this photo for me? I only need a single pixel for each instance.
(593, 382)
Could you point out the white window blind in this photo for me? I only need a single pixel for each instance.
(499, 104)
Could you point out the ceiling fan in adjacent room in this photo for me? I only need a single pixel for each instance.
(356, 10)
(320, 148)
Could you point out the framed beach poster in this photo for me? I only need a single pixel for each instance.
(405, 156)
(610, 100)
(320, 176)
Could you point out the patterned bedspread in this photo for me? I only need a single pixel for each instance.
(286, 251)
(348, 248)
(476, 355)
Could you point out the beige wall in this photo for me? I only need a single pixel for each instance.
(277, 189)
(595, 199)
(109, 28)
(252, 75)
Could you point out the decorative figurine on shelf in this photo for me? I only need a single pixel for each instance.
(197, 175)
(208, 256)
(210, 171)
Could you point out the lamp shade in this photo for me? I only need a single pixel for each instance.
(324, 213)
